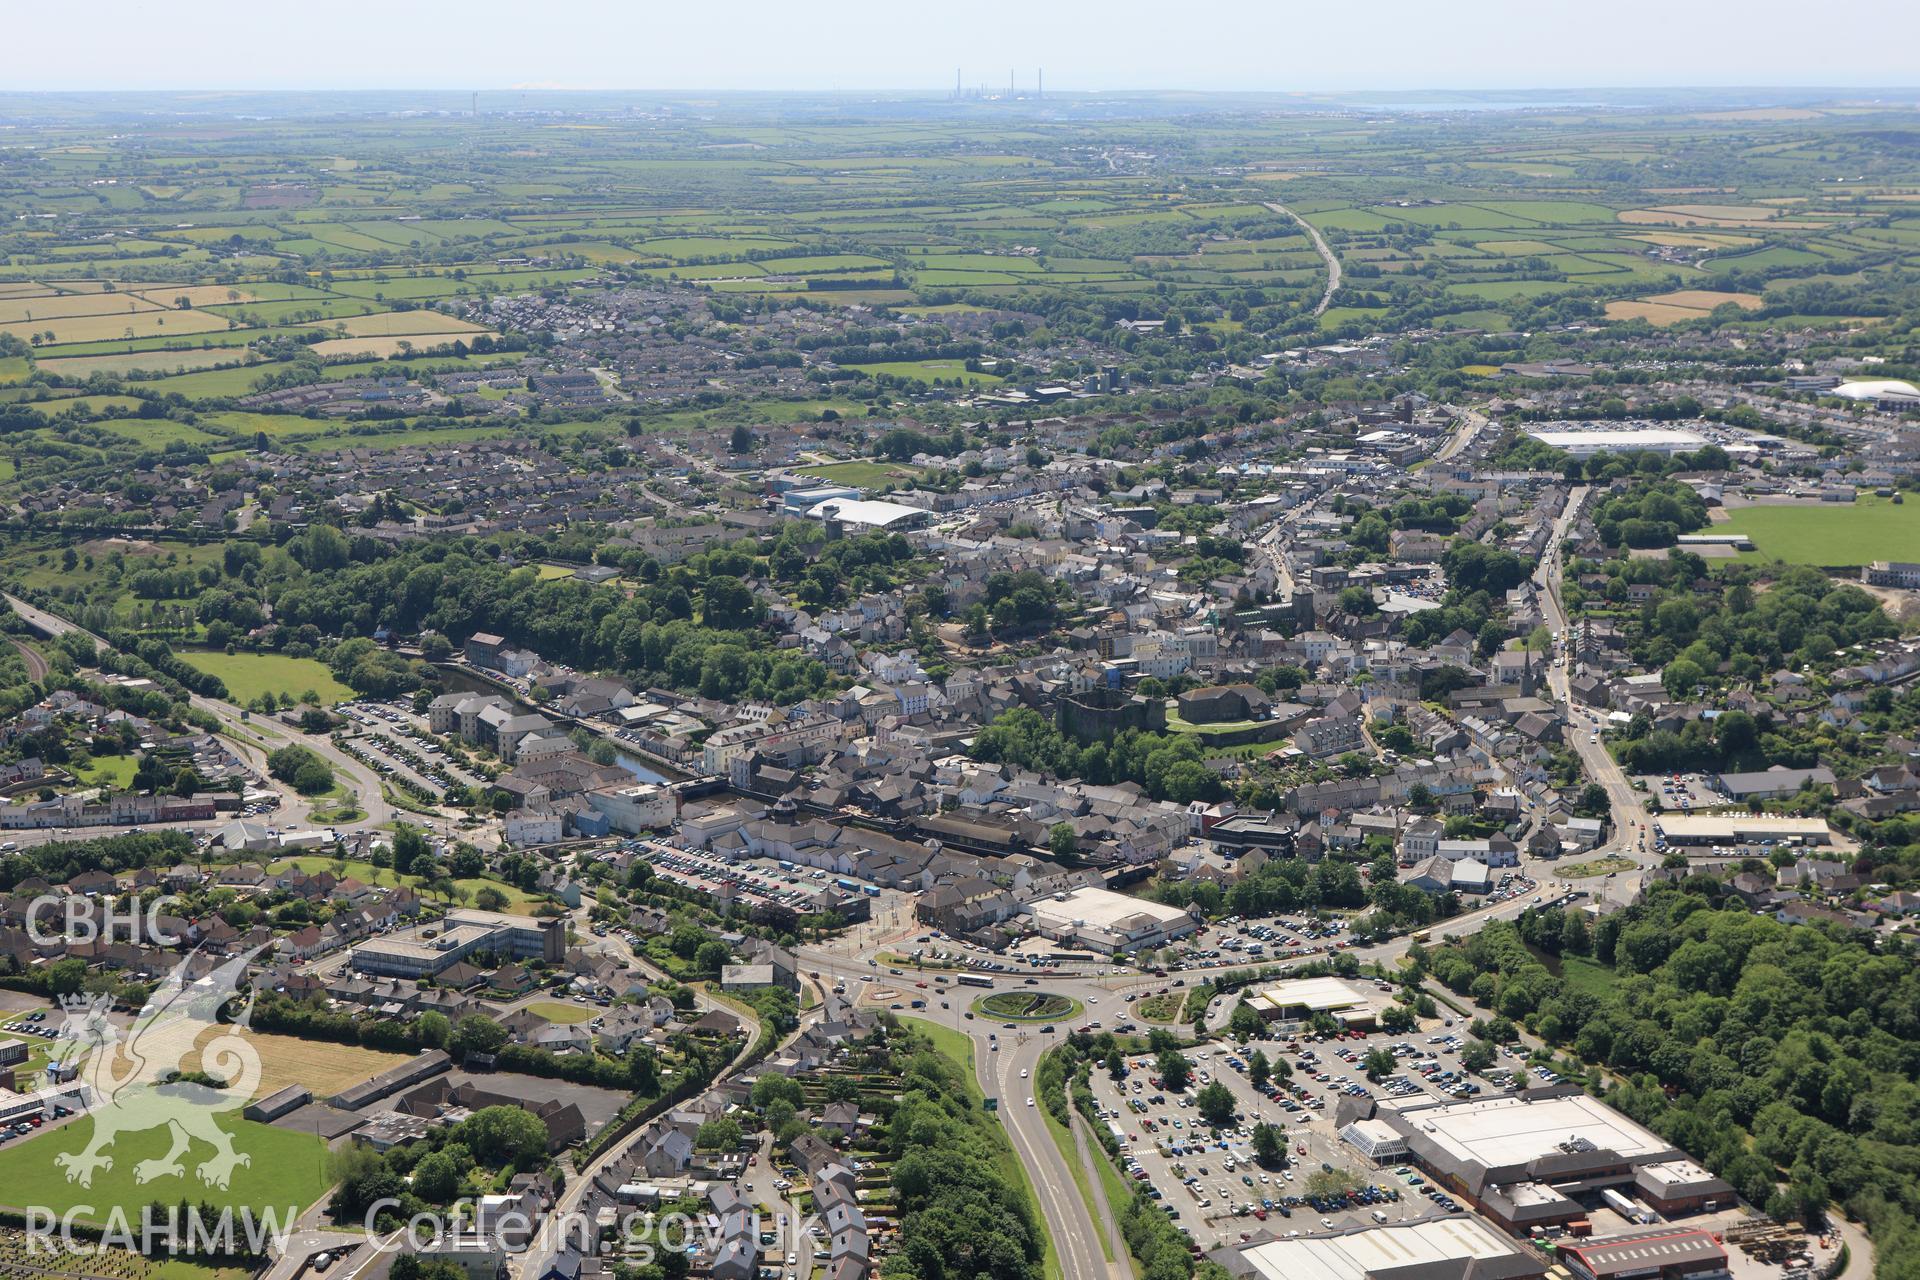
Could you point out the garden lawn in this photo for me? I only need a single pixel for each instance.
(556, 1012)
(251, 675)
(108, 771)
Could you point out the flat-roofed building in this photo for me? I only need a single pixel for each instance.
(865, 513)
(1107, 921)
(1525, 1160)
(424, 952)
(1295, 1000)
(1454, 1248)
(1586, 442)
(1739, 828)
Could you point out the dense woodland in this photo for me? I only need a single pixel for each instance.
(1784, 1057)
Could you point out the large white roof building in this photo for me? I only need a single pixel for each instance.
(1375, 1252)
(1108, 921)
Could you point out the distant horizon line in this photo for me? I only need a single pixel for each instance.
(1019, 90)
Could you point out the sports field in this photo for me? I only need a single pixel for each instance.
(249, 675)
(287, 1171)
(1836, 534)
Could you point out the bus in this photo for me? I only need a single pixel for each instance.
(974, 980)
(1424, 935)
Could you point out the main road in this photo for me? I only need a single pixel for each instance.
(1632, 831)
(1321, 247)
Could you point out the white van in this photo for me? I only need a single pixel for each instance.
(1379, 1215)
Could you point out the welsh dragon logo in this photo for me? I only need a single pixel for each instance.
(164, 1034)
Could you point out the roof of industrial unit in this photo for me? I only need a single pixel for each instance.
(1103, 909)
(1502, 1132)
(1645, 1250)
(1377, 1251)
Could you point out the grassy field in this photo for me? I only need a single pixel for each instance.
(123, 1264)
(1594, 867)
(108, 771)
(324, 1068)
(1589, 977)
(287, 1173)
(1837, 534)
(863, 475)
(928, 370)
(250, 675)
(383, 877)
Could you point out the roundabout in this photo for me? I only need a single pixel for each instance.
(1026, 1006)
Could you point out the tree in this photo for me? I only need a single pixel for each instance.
(410, 848)
(1268, 1146)
(1259, 1069)
(719, 1134)
(1379, 1063)
(66, 977)
(437, 1177)
(491, 898)
(477, 1033)
(1175, 1070)
(741, 439)
(712, 956)
(1216, 1104)
(433, 1030)
(1477, 1056)
(1061, 841)
(1245, 1023)
(1116, 1065)
(500, 1136)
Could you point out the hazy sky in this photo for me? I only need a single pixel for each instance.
(1273, 45)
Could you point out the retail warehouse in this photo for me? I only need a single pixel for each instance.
(1740, 828)
(1107, 921)
(1527, 1161)
(1295, 1000)
(1587, 442)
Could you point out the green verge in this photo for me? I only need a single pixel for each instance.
(958, 1049)
(1069, 1152)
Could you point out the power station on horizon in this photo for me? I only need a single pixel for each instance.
(984, 93)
